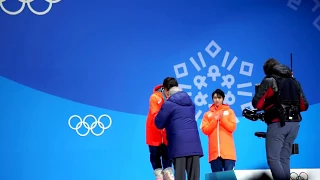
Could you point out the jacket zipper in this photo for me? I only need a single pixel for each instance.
(162, 136)
(218, 135)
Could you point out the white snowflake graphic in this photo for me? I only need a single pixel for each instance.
(295, 4)
(200, 82)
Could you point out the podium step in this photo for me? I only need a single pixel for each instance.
(223, 175)
(231, 175)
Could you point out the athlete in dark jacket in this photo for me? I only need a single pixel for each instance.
(282, 99)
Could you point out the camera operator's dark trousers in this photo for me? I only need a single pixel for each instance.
(159, 157)
(189, 164)
(279, 142)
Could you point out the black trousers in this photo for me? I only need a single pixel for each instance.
(159, 157)
(189, 164)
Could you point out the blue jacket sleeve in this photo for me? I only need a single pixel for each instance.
(162, 117)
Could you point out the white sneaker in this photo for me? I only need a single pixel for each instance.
(158, 174)
(168, 173)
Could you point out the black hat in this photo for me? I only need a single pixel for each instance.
(218, 91)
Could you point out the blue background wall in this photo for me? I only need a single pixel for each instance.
(105, 57)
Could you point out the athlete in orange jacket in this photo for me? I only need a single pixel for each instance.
(218, 124)
(156, 139)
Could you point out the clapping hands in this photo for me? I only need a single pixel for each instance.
(218, 115)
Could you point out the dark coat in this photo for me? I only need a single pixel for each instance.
(177, 115)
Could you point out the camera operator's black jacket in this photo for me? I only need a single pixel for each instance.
(268, 88)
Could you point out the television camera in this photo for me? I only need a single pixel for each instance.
(255, 115)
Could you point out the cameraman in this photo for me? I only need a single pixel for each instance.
(282, 99)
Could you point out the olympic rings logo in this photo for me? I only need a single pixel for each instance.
(28, 3)
(82, 122)
(301, 176)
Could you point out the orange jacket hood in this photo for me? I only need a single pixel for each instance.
(157, 88)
